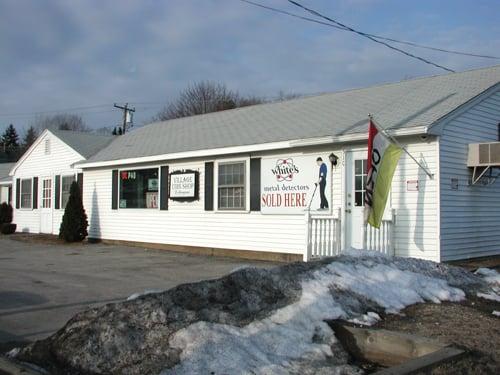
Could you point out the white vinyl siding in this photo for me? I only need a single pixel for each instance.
(470, 215)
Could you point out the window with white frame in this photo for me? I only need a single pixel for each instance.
(231, 186)
(139, 188)
(25, 193)
(360, 182)
(47, 193)
(66, 182)
(47, 147)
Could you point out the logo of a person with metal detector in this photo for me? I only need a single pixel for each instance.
(323, 171)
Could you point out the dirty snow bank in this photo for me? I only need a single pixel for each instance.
(298, 332)
(492, 277)
(251, 321)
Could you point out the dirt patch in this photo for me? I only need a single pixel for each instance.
(475, 263)
(469, 325)
(45, 239)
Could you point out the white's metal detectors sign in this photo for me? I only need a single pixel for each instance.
(294, 184)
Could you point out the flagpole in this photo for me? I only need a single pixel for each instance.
(382, 130)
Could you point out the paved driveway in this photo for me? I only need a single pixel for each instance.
(42, 286)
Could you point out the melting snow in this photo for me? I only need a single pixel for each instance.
(146, 292)
(298, 332)
(492, 277)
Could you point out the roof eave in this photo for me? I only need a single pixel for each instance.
(209, 153)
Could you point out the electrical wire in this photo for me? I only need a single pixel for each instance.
(312, 11)
(413, 44)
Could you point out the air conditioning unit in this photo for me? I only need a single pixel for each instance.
(484, 155)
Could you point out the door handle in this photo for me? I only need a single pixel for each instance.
(348, 211)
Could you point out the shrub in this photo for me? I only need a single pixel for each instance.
(8, 228)
(74, 222)
(5, 213)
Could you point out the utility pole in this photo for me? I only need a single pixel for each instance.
(126, 112)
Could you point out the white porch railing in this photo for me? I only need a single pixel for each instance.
(381, 239)
(323, 236)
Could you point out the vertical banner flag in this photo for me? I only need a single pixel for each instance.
(383, 157)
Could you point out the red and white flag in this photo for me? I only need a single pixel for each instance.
(383, 157)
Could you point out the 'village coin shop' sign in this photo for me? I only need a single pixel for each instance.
(288, 185)
(184, 185)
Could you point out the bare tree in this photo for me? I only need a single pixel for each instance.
(61, 121)
(204, 97)
(283, 96)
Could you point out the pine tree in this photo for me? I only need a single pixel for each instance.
(74, 222)
(10, 142)
(29, 137)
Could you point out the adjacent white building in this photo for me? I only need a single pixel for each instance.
(241, 181)
(42, 176)
(5, 183)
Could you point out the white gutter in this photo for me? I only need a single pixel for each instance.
(247, 149)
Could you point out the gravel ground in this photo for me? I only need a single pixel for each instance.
(469, 325)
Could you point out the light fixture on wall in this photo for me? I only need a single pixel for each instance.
(333, 159)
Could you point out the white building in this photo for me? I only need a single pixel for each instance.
(239, 182)
(42, 177)
(5, 183)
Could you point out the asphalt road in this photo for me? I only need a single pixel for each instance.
(43, 285)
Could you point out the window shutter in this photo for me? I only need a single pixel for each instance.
(164, 187)
(255, 184)
(79, 181)
(35, 193)
(57, 195)
(18, 193)
(10, 194)
(114, 190)
(209, 186)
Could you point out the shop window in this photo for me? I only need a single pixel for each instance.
(26, 187)
(231, 186)
(139, 188)
(66, 182)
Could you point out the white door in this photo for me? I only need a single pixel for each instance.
(355, 178)
(46, 206)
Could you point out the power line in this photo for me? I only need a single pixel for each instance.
(53, 111)
(312, 11)
(413, 44)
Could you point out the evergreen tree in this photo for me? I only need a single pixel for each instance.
(10, 143)
(74, 222)
(29, 138)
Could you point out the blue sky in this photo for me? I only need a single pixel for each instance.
(56, 55)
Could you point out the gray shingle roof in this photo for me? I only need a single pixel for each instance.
(4, 171)
(417, 102)
(86, 144)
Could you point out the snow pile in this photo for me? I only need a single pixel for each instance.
(496, 313)
(298, 332)
(492, 277)
(145, 293)
(251, 321)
